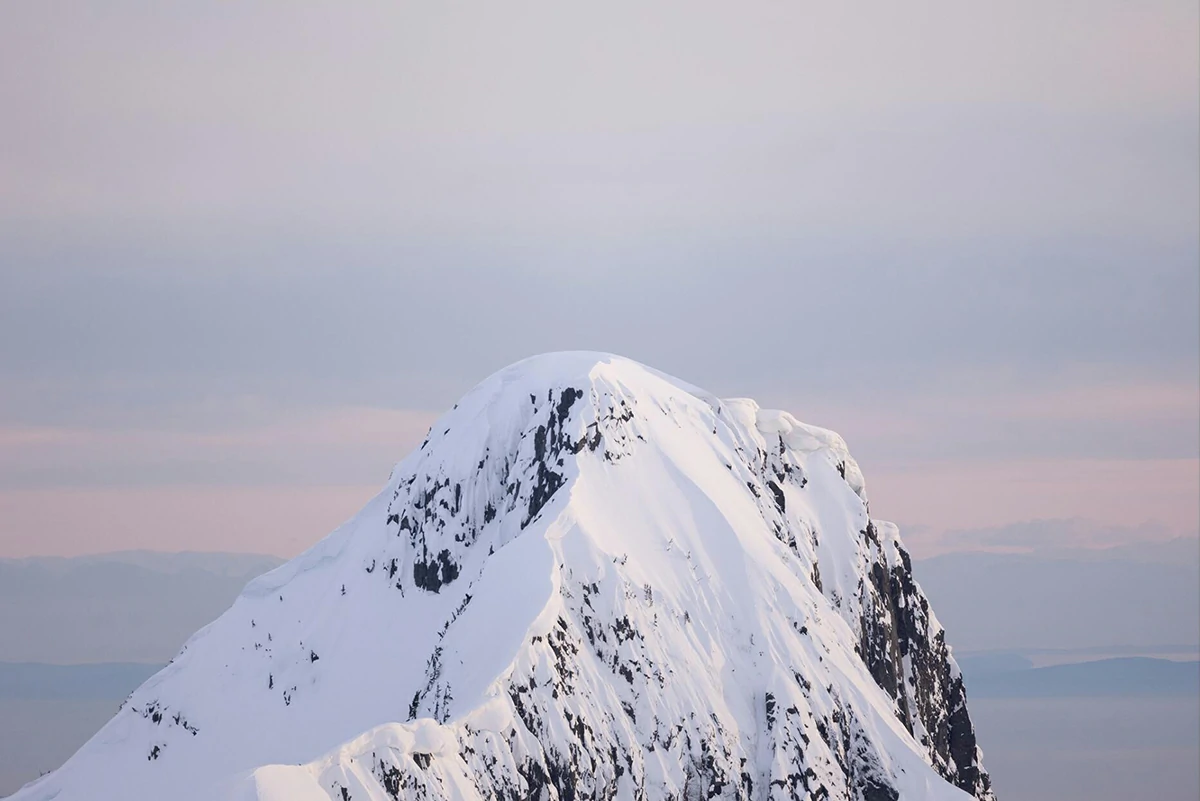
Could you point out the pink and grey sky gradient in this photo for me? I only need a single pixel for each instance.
(249, 251)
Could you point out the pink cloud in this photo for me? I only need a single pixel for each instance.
(342, 426)
(278, 520)
(1153, 401)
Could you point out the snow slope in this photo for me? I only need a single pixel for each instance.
(591, 581)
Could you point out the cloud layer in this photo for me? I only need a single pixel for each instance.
(253, 247)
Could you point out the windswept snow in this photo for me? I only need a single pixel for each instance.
(591, 581)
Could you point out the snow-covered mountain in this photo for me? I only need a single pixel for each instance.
(592, 581)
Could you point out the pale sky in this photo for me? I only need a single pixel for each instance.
(248, 251)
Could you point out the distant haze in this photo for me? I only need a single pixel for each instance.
(249, 251)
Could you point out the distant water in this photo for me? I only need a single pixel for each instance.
(38, 735)
(1091, 749)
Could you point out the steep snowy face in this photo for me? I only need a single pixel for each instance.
(591, 581)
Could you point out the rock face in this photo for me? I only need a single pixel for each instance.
(592, 581)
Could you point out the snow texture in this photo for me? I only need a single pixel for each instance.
(592, 581)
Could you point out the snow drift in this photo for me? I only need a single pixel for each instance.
(592, 581)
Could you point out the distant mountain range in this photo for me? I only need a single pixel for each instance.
(132, 606)
(1104, 600)
(34, 681)
(1129, 676)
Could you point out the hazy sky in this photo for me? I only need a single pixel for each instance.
(249, 250)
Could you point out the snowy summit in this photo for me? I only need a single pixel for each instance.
(591, 581)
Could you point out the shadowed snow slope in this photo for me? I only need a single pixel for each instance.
(591, 581)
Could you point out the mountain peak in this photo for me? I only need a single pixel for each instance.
(590, 581)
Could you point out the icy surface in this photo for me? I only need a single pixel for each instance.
(591, 581)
